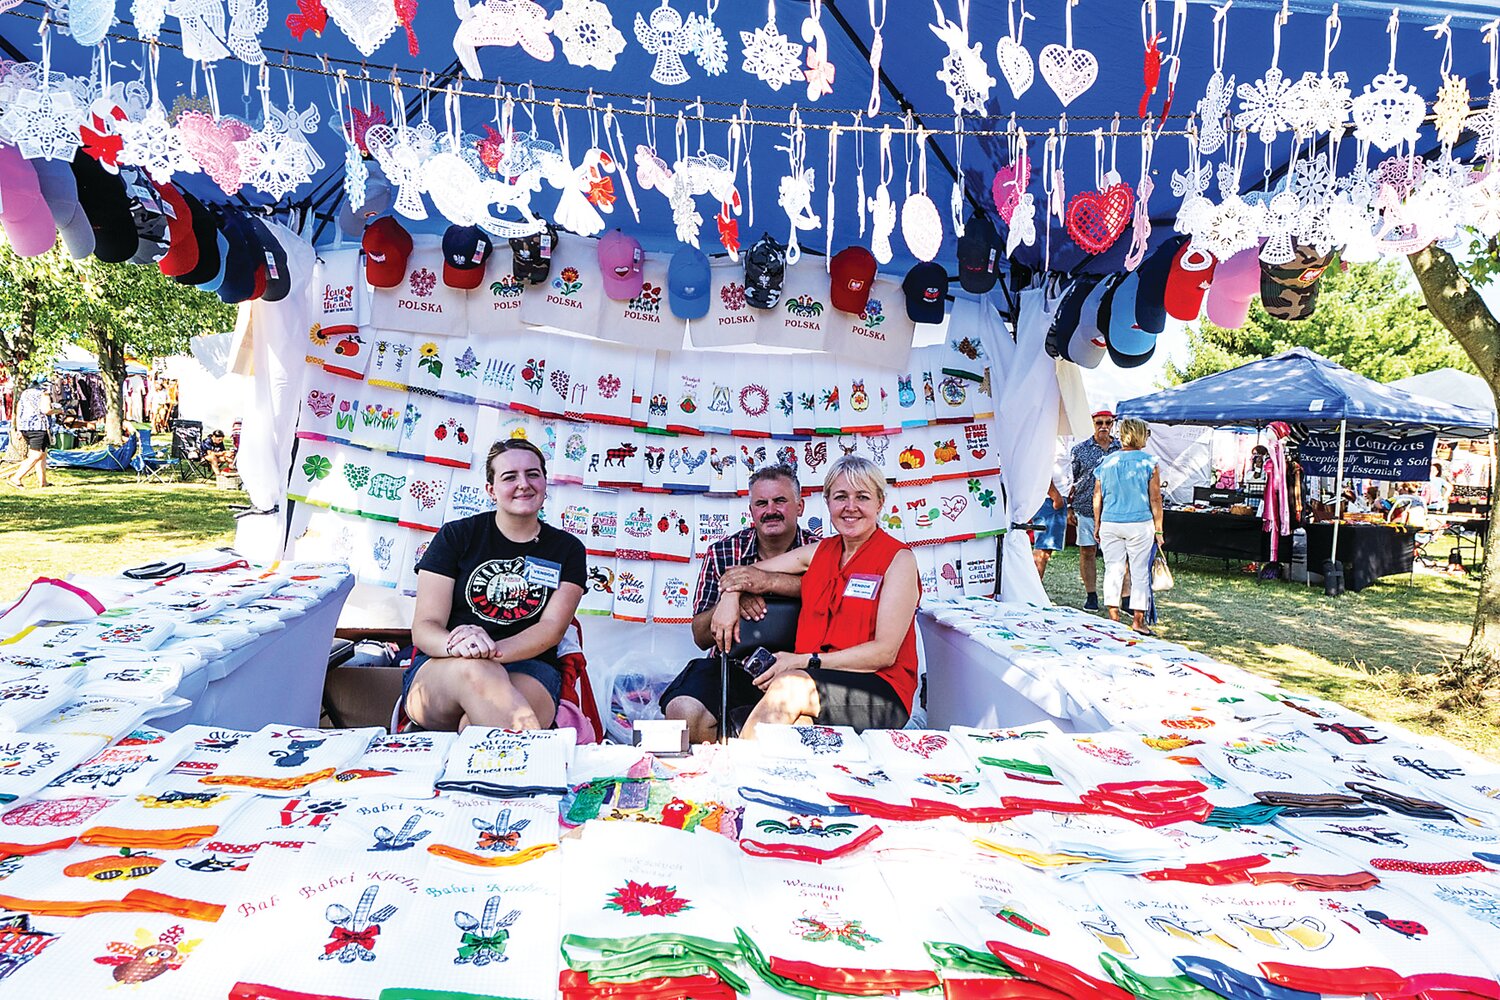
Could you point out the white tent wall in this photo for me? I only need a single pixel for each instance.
(1185, 454)
(218, 401)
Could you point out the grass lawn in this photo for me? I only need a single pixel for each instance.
(1377, 651)
(102, 522)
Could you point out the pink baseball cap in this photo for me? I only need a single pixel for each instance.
(28, 221)
(620, 259)
(1236, 282)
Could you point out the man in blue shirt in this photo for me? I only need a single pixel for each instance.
(1087, 454)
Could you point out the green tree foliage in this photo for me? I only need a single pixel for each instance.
(115, 310)
(1370, 319)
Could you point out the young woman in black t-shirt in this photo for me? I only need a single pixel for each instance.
(495, 593)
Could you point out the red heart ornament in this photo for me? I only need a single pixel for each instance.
(1095, 219)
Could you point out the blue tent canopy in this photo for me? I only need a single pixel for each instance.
(1301, 387)
(908, 80)
(92, 367)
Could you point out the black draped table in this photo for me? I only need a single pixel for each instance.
(1368, 551)
(1226, 536)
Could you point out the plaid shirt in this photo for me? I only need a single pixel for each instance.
(740, 549)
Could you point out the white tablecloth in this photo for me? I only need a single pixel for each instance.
(969, 684)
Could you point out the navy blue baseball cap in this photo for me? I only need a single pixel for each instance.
(1151, 301)
(245, 256)
(926, 288)
(1065, 319)
(278, 275)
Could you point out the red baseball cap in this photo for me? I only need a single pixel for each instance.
(1103, 413)
(387, 248)
(182, 255)
(851, 274)
(1188, 280)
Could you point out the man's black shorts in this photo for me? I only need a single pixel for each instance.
(37, 440)
(699, 680)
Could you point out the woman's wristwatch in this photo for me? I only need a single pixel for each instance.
(814, 662)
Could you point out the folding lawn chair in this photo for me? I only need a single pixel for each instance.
(150, 463)
(187, 446)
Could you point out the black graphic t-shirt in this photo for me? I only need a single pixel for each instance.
(492, 587)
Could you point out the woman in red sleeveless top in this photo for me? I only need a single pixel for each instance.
(856, 658)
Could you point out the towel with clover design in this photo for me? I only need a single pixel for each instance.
(424, 497)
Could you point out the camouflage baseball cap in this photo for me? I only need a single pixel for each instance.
(1290, 291)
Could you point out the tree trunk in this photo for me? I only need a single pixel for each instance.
(111, 354)
(15, 350)
(1457, 305)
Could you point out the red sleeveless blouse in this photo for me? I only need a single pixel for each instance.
(830, 621)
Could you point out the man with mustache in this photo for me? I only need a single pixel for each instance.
(775, 505)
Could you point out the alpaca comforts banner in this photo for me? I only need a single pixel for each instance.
(1369, 456)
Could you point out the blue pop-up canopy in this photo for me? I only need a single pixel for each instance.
(913, 55)
(1302, 387)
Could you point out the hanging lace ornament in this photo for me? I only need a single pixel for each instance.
(877, 50)
(310, 15)
(359, 123)
(1067, 70)
(285, 159)
(1278, 225)
(366, 23)
(1320, 102)
(503, 23)
(709, 46)
(46, 110)
(1022, 225)
(964, 73)
(1484, 121)
(882, 209)
(1402, 173)
(183, 104)
(1389, 112)
(214, 143)
(1096, 219)
(1011, 56)
(586, 30)
(769, 56)
(820, 72)
(1482, 205)
(202, 24)
(147, 15)
(1011, 180)
(665, 37)
(574, 211)
(152, 143)
(921, 226)
(1452, 104)
(795, 191)
(247, 19)
(356, 172)
(1268, 106)
(1140, 223)
(401, 151)
(1213, 106)
(406, 16)
(88, 20)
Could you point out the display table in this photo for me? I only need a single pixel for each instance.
(1225, 536)
(276, 678)
(1368, 551)
(968, 684)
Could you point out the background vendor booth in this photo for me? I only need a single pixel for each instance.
(1349, 428)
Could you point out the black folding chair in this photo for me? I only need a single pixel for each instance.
(187, 450)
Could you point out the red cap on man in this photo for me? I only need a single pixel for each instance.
(1104, 413)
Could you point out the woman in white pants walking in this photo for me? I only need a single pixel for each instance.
(1127, 509)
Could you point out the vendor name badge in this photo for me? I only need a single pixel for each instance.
(541, 573)
(863, 586)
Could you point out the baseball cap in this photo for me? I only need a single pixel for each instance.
(1065, 318)
(387, 247)
(27, 219)
(532, 255)
(688, 281)
(1236, 282)
(146, 212)
(182, 253)
(206, 234)
(765, 269)
(620, 259)
(1086, 347)
(241, 260)
(851, 276)
(1150, 308)
(102, 196)
(277, 275)
(926, 288)
(1129, 345)
(1188, 280)
(465, 251)
(60, 190)
(1290, 291)
(979, 250)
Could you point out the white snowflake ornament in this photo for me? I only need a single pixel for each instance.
(666, 37)
(155, 146)
(1320, 104)
(43, 122)
(285, 160)
(964, 73)
(1482, 205)
(770, 56)
(1268, 106)
(710, 48)
(586, 30)
(1451, 109)
(148, 16)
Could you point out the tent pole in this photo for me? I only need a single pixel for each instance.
(1338, 490)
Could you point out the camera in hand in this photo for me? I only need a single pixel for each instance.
(759, 661)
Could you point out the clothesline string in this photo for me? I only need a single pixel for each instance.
(649, 112)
